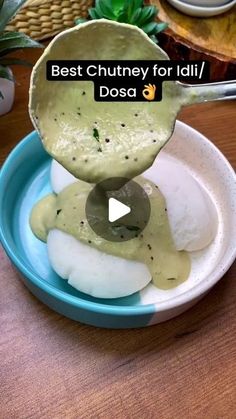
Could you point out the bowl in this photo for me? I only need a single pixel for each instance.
(192, 9)
(206, 3)
(24, 179)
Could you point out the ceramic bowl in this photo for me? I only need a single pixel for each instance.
(192, 9)
(207, 3)
(24, 179)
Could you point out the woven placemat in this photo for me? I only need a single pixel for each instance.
(42, 19)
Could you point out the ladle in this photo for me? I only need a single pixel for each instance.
(100, 140)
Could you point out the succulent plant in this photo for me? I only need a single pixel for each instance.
(11, 41)
(133, 12)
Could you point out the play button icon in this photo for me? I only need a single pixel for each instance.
(118, 209)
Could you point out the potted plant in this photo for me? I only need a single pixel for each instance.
(9, 42)
(134, 12)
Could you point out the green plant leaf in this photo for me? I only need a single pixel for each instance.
(94, 14)
(5, 73)
(161, 27)
(1, 3)
(98, 9)
(134, 4)
(154, 39)
(137, 3)
(118, 6)
(103, 7)
(123, 17)
(150, 28)
(148, 14)
(80, 20)
(14, 61)
(10, 41)
(136, 16)
(8, 11)
(129, 11)
(131, 6)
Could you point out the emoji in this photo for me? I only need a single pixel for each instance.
(149, 91)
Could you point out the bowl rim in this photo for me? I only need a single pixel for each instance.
(184, 298)
(201, 8)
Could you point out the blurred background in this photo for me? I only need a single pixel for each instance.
(209, 34)
(185, 29)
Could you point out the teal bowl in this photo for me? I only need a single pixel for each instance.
(24, 179)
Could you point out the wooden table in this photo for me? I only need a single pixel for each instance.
(52, 367)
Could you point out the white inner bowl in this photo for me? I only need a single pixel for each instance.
(212, 171)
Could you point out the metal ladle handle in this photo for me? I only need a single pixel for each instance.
(208, 92)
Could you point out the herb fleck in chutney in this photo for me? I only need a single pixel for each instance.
(96, 134)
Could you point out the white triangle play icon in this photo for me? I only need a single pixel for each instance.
(116, 209)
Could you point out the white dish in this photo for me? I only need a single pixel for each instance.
(201, 11)
(206, 3)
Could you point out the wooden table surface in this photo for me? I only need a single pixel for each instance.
(53, 367)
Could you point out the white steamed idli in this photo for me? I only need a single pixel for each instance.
(191, 212)
(94, 272)
(87, 269)
(60, 177)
